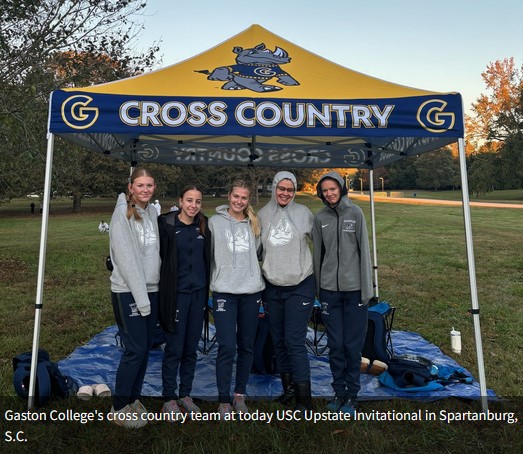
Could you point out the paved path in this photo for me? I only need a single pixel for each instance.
(418, 201)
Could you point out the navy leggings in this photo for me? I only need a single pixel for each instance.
(289, 309)
(180, 348)
(346, 322)
(236, 321)
(137, 334)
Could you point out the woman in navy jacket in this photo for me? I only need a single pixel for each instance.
(184, 291)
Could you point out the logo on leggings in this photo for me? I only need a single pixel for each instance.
(220, 305)
(324, 308)
(134, 310)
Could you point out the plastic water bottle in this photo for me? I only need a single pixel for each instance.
(455, 341)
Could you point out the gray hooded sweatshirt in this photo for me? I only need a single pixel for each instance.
(341, 245)
(135, 253)
(234, 265)
(286, 256)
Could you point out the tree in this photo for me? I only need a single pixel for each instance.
(40, 41)
(436, 170)
(482, 173)
(497, 126)
(499, 114)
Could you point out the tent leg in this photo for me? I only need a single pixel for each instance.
(373, 228)
(41, 271)
(472, 275)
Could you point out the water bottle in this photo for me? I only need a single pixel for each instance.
(455, 341)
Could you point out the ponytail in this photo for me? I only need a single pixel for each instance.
(255, 222)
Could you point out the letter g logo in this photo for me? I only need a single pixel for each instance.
(76, 113)
(432, 116)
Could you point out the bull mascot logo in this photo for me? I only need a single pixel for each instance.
(253, 69)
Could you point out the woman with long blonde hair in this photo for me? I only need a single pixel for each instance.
(135, 255)
(237, 285)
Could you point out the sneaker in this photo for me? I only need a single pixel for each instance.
(127, 417)
(224, 409)
(349, 407)
(172, 409)
(238, 404)
(186, 404)
(138, 407)
(336, 404)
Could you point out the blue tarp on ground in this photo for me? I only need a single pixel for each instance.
(97, 361)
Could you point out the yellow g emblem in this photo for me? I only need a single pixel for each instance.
(76, 113)
(432, 116)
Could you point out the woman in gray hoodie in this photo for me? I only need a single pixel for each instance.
(237, 285)
(135, 255)
(343, 272)
(286, 227)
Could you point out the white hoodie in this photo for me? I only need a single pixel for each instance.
(286, 256)
(135, 253)
(234, 266)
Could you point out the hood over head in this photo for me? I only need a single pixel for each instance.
(283, 175)
(338, 179)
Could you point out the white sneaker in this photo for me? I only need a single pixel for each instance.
(172, 409)
(224, 409)
(138, 407)
(238, 404)
(186, 404)
(127, 417)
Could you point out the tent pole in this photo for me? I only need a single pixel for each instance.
(472, 275)
(373, 227)
(41, 271)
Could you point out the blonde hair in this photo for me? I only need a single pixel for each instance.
(249, 211)
(131, 205)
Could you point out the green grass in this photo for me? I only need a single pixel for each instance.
(422, 272)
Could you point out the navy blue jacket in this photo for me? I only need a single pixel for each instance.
(169, 268)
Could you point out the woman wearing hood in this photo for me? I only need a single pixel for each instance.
(237, 286)
(287, 268)
(342, 267)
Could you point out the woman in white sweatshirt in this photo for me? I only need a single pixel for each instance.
(135, 254)
(237, 285)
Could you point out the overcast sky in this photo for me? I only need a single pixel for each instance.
(441, 46)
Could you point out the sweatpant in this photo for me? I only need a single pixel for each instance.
(236, 321)
(180, 347)
(137, 334)
(345, 320)
(289, 309)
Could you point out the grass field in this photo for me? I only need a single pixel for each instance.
(422, 272)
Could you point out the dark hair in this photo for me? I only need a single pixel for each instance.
(131, 206)
(201, 217)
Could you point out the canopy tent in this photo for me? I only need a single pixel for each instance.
(258, 99)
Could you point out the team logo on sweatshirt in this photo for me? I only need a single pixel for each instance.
(239, 242)
(349, 225)
(281, 234)
(146, 233)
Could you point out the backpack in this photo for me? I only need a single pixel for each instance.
(50, 382)
(413, 373)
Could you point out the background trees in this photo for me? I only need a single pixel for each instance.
(495, 130)
(51, 44)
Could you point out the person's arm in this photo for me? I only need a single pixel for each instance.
(127, 261)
